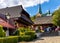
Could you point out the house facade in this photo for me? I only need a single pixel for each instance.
(18, 18)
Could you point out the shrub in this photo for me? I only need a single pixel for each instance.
(11, 39)
(24, 38)
(32, 34)
(2, 40)
(2, 32)
(17, 33)
(26, 34)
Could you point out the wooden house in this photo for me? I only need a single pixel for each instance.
(18, 18)
(43, 22)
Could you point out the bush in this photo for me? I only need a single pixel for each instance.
(2, 32)
(32, 34)
(11, 39)
(26, 34)
(27, 37)
(24, 38)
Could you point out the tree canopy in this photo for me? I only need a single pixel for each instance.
(56, 17)
(33, 17)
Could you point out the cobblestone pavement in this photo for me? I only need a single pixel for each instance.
(49, 39)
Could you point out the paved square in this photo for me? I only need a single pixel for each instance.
(51, 39)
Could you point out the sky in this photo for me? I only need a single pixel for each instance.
(31, 6)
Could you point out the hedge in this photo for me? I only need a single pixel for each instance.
(25, 38)
(26, 34)
(10, 39)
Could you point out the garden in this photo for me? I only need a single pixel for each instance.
(22, 34)
(26, 34)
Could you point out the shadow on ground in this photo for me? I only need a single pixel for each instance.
(45, 34)
(51, 34)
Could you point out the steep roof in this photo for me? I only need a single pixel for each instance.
(3, 16)
(43, 20)
(4, 23)
(16, 12)
(13, 11)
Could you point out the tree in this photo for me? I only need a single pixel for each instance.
(47, 13)
(33, 17)
(56, 18)
(2, 32)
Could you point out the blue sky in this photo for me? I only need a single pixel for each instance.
(52, 5)
(31, 6)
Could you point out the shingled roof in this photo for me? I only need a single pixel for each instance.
(43, 20)
(16, 12)
(13, 11)
(3, 16)
(4, 23)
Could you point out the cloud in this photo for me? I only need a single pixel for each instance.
(25, 3)
(57, 7)
(28, 3)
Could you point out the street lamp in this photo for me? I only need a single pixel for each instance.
(7, 17)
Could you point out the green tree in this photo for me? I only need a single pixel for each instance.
(56, 18)
(33, 17)
(2, 32)
(45, 14)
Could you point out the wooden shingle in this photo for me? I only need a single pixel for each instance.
(43, 20)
